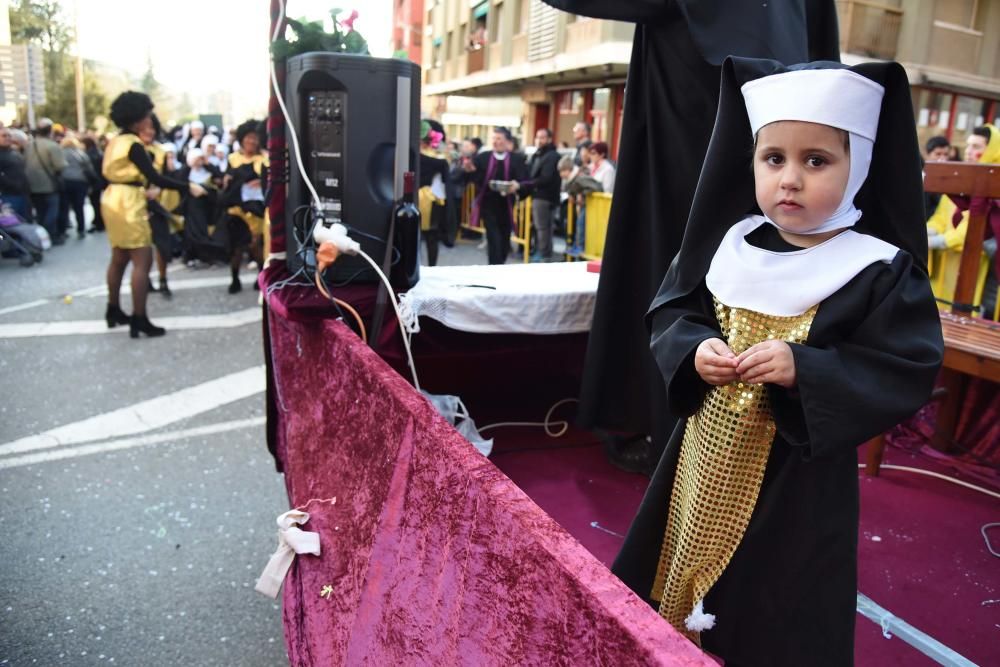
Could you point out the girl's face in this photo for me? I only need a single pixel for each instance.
(800, 173)
(144, 129)
(975, 146)
(250, 143)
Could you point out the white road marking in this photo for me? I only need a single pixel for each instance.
(128, 443)
(147, 415)
(80, 327)
(175, 286)
(23, 306)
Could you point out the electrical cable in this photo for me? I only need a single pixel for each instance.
(284, 110)
(395, 306)
(929, 473)
(544, 424)
(340, 303)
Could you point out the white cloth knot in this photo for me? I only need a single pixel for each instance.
(291, 540)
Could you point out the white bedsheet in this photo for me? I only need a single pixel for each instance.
(552, 298)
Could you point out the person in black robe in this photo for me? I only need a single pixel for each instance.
(670, 101)
(494, 207)
(206, 237)
(431, 165)
(784, 592)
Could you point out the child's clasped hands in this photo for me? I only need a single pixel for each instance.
(768, 362)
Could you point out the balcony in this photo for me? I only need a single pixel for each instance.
(869, 28)
(954, 47)
(583, 34)
(475, 61)
(519, 49)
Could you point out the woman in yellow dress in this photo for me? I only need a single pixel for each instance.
(129, 173)
(244, 189)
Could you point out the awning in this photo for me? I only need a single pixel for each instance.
(494, 120)
(480, 10)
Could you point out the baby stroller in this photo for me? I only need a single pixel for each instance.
(19, 239)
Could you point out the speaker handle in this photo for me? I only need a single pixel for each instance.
(402, 164)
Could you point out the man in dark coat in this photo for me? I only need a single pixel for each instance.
(670, 106)
(543, 169)
(495, 207)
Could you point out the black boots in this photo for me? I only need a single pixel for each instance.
(141, 324)
(114, 316)
(165, 289)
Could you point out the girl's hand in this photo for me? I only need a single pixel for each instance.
(771, 361)
(152, 192)
(715, 362)
(196, 190)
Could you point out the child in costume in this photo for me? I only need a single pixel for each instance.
(787, 335)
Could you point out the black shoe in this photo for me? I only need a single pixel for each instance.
(256, 286)
(141, 324)
(165, 290)
(114, 316)
(235, 286)
(80, 234)
(630, 453)
(94, 230)
(59, 240)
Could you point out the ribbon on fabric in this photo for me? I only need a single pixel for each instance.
(291, 540)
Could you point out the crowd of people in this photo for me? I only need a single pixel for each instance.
(948, 216)
(191, 192)
(502, 173)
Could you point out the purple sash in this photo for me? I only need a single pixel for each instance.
(490, 170)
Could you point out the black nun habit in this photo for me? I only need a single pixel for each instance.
(787, 594)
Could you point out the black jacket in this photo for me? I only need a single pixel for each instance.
(12, 178)
(543, 170)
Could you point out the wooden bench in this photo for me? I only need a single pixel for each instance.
(972, 345)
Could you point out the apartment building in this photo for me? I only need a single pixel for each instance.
(524, 65)
(407, 28)
(951, 51)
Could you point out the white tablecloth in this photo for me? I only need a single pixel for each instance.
(552, 298)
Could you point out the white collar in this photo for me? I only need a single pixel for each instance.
(785, 284)
(500, 156)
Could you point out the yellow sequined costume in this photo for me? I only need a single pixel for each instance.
(169, 199)
(723, 455)
(123, 203)
(255, 223)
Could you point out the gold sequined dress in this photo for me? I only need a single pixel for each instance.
(723, 455)
(123, 202)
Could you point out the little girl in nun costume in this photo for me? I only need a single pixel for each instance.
(796, 323)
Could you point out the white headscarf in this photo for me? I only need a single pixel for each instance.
(786, 284)
(835, 97)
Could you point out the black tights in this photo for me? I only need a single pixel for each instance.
(141, 259)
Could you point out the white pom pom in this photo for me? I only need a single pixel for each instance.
(699, 620)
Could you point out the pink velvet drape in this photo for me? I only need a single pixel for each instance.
(431, 554)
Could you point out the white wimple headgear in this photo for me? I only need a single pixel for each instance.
(835, 97)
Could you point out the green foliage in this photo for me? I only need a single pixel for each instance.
(148, 84)
(61, 107)
(310, 36)
(41, 22)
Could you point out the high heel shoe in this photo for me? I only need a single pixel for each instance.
(114, 316)
(141, 324)
(165, 290)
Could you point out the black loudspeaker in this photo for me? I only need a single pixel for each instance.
(357, 120)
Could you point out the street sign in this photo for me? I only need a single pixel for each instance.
(22, 72)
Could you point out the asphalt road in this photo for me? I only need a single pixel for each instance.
(137, 496)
